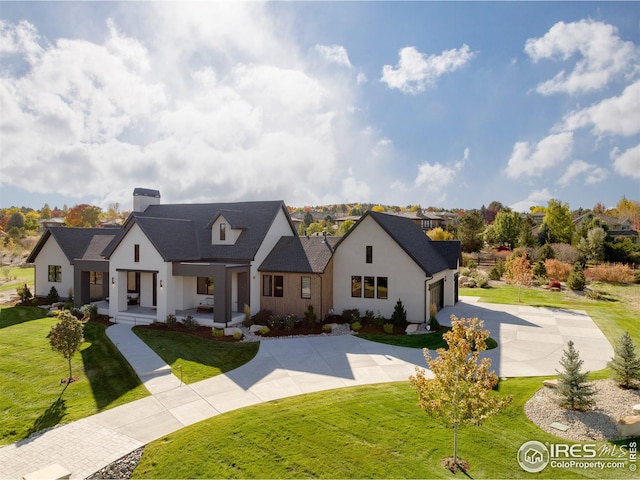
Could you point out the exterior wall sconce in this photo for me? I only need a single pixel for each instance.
(161, 286)
(113, 281)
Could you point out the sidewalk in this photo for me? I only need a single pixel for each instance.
(530, 340)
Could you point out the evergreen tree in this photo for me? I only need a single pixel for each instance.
(626, 363)
(576, 280)
(399, 316)
(575, 393)
(546, 252)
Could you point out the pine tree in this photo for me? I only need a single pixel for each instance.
(625, 363)
(575, 393)
(576, 280)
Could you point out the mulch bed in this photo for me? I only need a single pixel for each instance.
(201, 331)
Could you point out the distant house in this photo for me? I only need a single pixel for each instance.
(425, 220)
(617, 228)
(216, 259)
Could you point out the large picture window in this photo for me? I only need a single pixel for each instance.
(305, 287)
(369, 287)
(383, 291)
(205, 286)
(272, 286)
(356, 286)
(55, 273)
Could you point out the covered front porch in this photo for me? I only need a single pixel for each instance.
(139, 315)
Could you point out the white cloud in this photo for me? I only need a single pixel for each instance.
(209, 104)
(612, 116)
(604, 56)
(593, 173)
(537, 197)
(627, 163)
(415, 71)
(335, 54)
(531, 160)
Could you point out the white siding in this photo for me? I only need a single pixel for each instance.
(231, 234)
(150, 261)
(280, 228)
(406, 281)
(51, 254)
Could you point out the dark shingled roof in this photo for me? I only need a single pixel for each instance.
(432, 257)
(182, 232)
(76, 243)
(300, 255)
(146, 192)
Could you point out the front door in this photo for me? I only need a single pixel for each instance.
(243, 291)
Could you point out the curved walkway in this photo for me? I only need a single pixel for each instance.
(531, 342)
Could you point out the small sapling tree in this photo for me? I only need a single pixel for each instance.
(66, 337)
(520, 272)
(460, 392)
(625, 363)
(575, 393)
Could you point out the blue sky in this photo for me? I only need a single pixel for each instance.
(446, 104)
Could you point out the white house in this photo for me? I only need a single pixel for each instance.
(384, 258)
(216, 258)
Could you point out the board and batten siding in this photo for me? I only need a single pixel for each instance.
(52, 254)
(406, 280)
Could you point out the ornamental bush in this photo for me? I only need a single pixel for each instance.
(610, 273)
(399, 316)
(190, 322)
(53, 296)
(557, 270)
(576, 280)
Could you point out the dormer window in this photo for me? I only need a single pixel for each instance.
(223, 232)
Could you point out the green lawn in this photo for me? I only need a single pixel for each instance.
(199, 358)
(432, 341)
(373, 431)
(31, 396)
(377, 431)
(18, 276)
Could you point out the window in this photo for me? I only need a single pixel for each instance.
(278, 286)
(55, 273)
(205, 286)
(267, 285)
(369, 255)
(95, 278)
(356, 286)
(223, 232)
(136, 253)
(383, 291)
(305, 288)
(369, 287)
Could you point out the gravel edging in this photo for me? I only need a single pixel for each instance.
(121, 469)
(598, 424)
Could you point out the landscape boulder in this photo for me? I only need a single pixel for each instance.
(629, 426)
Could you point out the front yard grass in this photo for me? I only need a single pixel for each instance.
(31, 396)
(199, 358)
(432, 341)
(374, 431)
(377, 431)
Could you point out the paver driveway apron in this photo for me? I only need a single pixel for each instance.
(530, 340)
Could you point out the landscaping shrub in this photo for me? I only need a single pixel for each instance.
(275, 322)
(264, 330)
(557, 270)
(289, 322)
(262, 317)
(399, 316)
(217, 332)
(379, 320)
(610, 273)
(497, 270)
(237, 336)
(52, 296)
(539, 270)
(546, 252)
(326, 328)
(566, 253)
(356, 326)
(76, 312)
(595, 295)
(171, 320)
(310, 318)
(555, 284)
(576, 280)
(24, 293)
(190, 322)
(388, 328)
(348, 314)
(625, 363)
(91, 311)
(574, 391)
